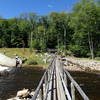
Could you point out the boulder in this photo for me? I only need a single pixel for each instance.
(7, 61)
(23, 93)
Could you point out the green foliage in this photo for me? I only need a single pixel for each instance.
(32, 61)
(86, 22)
(68, 53)
(97, 58)
(78, 50)
(35, 60)
(76, 33)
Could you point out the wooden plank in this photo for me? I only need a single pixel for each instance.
(54, 86)
(55, 83)
(65, 88)
(60, 91)
(49, 89)
(49, 93)
(62, 76)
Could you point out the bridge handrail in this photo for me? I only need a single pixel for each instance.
(73, 82)
(38, 88)
(41, 83)
(47, 82)
(76, 86)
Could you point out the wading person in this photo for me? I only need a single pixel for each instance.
(18, 62)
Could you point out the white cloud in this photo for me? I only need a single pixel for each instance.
(50, 6)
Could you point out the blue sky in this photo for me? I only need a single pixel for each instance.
(12, 8)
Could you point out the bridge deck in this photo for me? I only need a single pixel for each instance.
(58, 84)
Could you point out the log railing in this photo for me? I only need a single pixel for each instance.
(58, 84)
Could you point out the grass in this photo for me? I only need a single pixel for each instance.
(12, 52)
(97, 58)
(33, 58)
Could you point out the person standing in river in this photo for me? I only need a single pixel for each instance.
(18, 62)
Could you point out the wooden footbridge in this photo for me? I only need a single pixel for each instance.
(58, 84)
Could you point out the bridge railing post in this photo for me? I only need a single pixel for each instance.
(48, 75)
(45, 80)
(65, 79)
(74, 85)
(48, 84)
(41, 93)
(44, 84)
(72, 91)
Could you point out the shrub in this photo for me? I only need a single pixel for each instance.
(32, 61)
(78, 51)
(68, 52)
(35, 60)
(97, 58)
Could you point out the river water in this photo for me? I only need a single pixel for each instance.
(18, 79)
(29, 77)
(89, 82)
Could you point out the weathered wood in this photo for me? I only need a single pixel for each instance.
(38, 88)
(49, 94)
(55, 82)
(45, 80)
(65, 88)
(60, 91)
(84, 96)
(65, 79)
(44, 89)
(41, 83)
(72, 91)
(54, 86)
(41, 94)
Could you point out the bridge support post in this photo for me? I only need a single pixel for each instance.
(65, 79)
(48, 75)
(54, 84)
(72, 91)
(45, 80)
(41, 95)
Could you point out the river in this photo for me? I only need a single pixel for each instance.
(18, 79)
(89, 82)
(29, 77)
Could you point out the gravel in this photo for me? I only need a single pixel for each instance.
(85, 64)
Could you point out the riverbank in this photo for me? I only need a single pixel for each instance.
(35, 58)
(76, 64)
(31, 58)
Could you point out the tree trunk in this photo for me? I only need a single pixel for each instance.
(90, 45)
(31, 34)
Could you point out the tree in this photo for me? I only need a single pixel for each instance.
(31, 18)
(84, 22)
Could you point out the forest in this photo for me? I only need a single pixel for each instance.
(75, 33)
